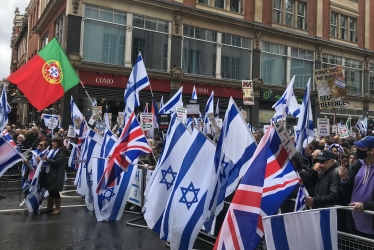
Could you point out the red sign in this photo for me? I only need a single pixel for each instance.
(103, 79)
(206, 90)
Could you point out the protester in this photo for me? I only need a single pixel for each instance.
(55, 175)
(322, 144)
(357, 187)
(32, 137)
(308, 151)
(42, 136)
(352, 158)
(257, 137)
(21, 144)
(152, 161)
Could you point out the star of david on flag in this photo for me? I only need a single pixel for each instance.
(185, 193)
(165, 177)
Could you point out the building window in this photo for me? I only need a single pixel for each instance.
(353, 76)
(59, 29)
(150, 37)
(45, 40)
(371, 78)
(274, 63)
(302, 66)
(104, 36)
(277, 11)
(203, 1)
(235, 5)
(290, 12)
(343, 27)
(301, 13)
(219, 4)
(199, 51)
(235, 57)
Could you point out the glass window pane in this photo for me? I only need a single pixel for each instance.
(302, 54)
(309, 55)
(211, 36)
(235, 63)
(163, 26)
(301, 9)
(150, 23)
(273, 69)
(303, 71)
(219, 4)
(277, 4)
(234, 5)
(198, 57)
(153, 46)
(333, 18)
(119, 17)
(104, 43)
(294, 52)
(236, 41)
(138, 21)
(200, 33)
(106, 15)
(353, 81)
(246, 43)
(266, 46)
(203, 1)
(188, 31)
(277, 16)
(289, 19)
(226, 39)
(274, 48)
(282, 50)
(91, 12)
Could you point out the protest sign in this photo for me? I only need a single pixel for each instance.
(323, 126)
(181, 114)
(146, 121)
(285, 138)
(71, 132)
(331, 87)
(343, 131)
(247, 87)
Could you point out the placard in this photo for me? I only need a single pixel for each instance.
(265, 128)
(331, 87)
(181, 114)
(146, 121)
(323, 126)
(343, 131)
(285, 139)
(71, 132)
(163, 121)
(333, 129)
(52, 122)
(136, 191)
(247, 87)
(193, 109)
(120, 118)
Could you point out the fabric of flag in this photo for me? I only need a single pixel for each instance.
(175, 101)
(46, 77)
(360, 126)
(235, 148)
(146, 108)
(190, 123)
(216, 114)
(365, 121)
(162, 102)
(287, 104)
(138, 80)
(130, 146)
(194, 95)
(309, 230)
(76, 115)
(154, 111)
(47, 119)
(4, 109)
(187, 206)
(300, 203)
(10, 154)
(348, 123)
(305, 127)
(76, 153)
(257, 197)
(162, 182)
(36, 193)
(208, 109)
(106, 118)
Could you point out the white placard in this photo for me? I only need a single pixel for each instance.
(52, 123)
(343, 131)
(71, 132)
(333, 129)
(146, 121)
(181, 114)
(136, 191)
(287, 143)
(323, 126)
(219, 122)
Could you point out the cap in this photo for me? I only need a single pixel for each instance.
(44, 132)
(368, 141)
(325, 155)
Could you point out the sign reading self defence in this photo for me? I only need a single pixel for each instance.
(331, 87)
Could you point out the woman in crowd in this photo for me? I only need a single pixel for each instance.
(54, 175)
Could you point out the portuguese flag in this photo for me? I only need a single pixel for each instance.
(46, 77)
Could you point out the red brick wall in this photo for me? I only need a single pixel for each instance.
(51, 25)
(312, 18)
(249, 10)
(361, 24)
(326, 20)
(191, 3)
(267, 11)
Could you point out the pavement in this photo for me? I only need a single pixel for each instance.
(74, 228)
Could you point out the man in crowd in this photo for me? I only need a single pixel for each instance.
(357, 189)
(32, 137)
(42, 136)
(257, 137)
(322, 144)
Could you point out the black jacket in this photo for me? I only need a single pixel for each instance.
(54, 180)
(346, 190)
(325, 188)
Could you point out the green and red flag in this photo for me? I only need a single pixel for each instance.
(46, 77)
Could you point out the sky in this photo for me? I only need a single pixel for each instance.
(6, 20)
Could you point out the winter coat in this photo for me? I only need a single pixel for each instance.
(54, 180)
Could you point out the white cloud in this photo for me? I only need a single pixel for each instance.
(6, 20)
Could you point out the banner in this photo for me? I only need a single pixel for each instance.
(146, 121)
(323, 126)
(331, 87)
(136, 191)
(248, 98)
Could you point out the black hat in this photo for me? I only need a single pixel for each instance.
(325, 155)
(44, 132)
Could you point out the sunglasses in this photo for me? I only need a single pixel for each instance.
(41, 145)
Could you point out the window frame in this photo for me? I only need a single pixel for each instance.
(350, 34)
(59, 29)
(293, 12)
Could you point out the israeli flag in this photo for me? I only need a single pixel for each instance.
(47, 119)
(307, 230)
(138, 80)
(305, 127)
(4, 109)
(175, 101)
(208, 109)
(216, 114)
(162, 102)
(287, 104)
(360, 125)
(194, 95)
(162, 182)
(300, 203)
(187, 206)
(10, 154)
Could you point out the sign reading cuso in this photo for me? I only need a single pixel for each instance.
(102, 80)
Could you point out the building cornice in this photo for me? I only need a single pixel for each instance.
(48, 13)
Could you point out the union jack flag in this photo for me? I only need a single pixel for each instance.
(267, 183)
(129, 147)
(10, 140)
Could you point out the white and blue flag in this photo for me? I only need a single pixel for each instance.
(163, 177)
(138, 80)
(106, 119)
(300, 203)
(187, 206)
(208, 109)
(305, 127)
(360, 125)
(235, 147)
(175, 101)
(162, 102)
(76, 116)
(4, 109)
(307, 230)
(287, 104)
(216, 114)
(194, 95)
(10, 154)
